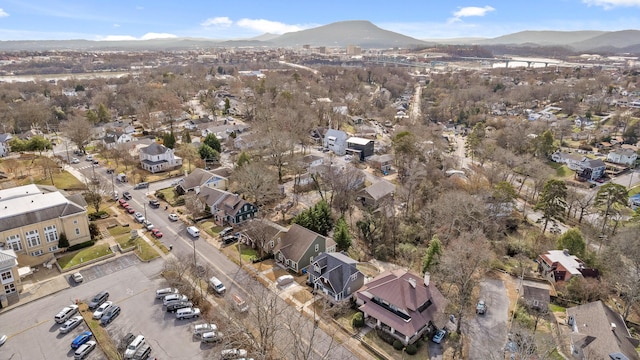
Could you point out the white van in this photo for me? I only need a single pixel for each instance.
(217, 285)
(193, 231)
(135, 345)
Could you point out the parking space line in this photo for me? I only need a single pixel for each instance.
(29, 328)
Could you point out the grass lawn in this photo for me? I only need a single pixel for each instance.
(84, 255)
(556, 308)
(345, 319)
(211, 228)
(562, 171)
(119, 230)
(170, 195)
(634, 190)
(100, 333)
(159, 244)
(145, 251)
(248, 254)
(63, 180)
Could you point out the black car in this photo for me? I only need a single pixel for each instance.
(111, 314)
(230, 239)
(110, 171)
(154, 203)
(98, 300)
(179, 305)
(126, 195)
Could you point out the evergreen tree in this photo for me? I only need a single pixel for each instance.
(243, 158)
(341, 235)
(91, 116)
(572, 240)
(103, 114)
(207, 153)
(432, 255)
(552, 201)
(186, 137)
(169, 140)
(212, 141)
(317, 219)
(63, 242)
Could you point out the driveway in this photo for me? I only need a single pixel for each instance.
(488, 333)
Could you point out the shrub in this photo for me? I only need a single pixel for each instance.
(97, 215)
(160, 195)
(397, 345)
(63, 242)
(81, 245)
(357, 320)
(94, 231)
(411, 349)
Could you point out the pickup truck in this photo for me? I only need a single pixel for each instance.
(240, 304)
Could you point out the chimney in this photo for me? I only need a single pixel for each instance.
(565, 252)
(427, 278)
(613, 327)
(412, 282)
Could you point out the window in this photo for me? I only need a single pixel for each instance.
(316, 267)
(75, 222)
(37, 253)
(77, 231)
(9, 288)
(317, 247)
(14, 242)
(310, 259)
(51, 233)
(33, 238)
(354, 277)
(53, 248)
(272, 244)
(7, 276)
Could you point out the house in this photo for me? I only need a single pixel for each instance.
(591, 169)
(226, 208)
(34, 217)
(199, 178)
(112, 138)
(9, 276)
(249, 141)
(598, 332)
(4, 144)
(381, 162)
(260, 234)
(336, 141)
(374, 195)
(573, 161)
(535, 295)
(559, 265)
(312, 162)
(402, 304)
(360, 147)
(296, 248)
(157, 158)
(620, 156)
(335, 275)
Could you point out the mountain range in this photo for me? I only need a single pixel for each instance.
(356, 32)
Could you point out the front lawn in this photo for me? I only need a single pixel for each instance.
(84, 255)
(145, 251)
(169, 195)
(248, 253)
(564, 172)
(373, 338)
(556, 308)
(634, 190)
(63, 180)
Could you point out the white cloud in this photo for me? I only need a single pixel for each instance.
(116, 25)
(147, 36)
(268, 26)
(222, 21)
(470, 11)
(3, 13)
(610, 4)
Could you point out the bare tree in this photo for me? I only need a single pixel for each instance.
(79, 130)
(257, 182)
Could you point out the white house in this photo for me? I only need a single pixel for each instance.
(623, 156)
(4, 144)
(336, 141)
(156, 158)
(113, 138)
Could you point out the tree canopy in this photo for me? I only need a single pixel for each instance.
(317, 219)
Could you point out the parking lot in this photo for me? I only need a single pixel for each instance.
(33, 334)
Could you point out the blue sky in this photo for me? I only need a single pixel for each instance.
(422, 19)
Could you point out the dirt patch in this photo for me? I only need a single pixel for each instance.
(303, 296)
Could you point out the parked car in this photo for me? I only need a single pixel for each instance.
(187, 313)
(148, 225)
(239, 303)
(75, 161)
(161, 293)
(228, 240)
(177, 305)
(439, 336)
(481, 307)
(3, 339)
(139, 217)
(123, 202)
(226, 231)
(97, 300)
(77, 278)
(66, 313)
(217, 285)
(89, 157)
(101, 309)
(110, 171)
(173, 217)
(81, 339)
(142, 353)
(84, 350)
(126, 195)
(110, 314)
(154, 203)
(142, 185)
(228, 354)
(284, 280)
(70, 324)
(134, 346)
(129, 209)
(173, 307)
(156, 233)
(174, 297)
(211, 336)
(200, 329)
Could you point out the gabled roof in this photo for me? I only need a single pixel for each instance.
(211, 196)
(408, 293)
(196, 178)
(338, 134)
(380, 189)
(595, 163)
(8, 259)
(154, 149)
(600, 332)
(295, 242)
(336, 270)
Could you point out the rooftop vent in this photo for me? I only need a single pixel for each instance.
(427, 278)
(412, 282)
(565, 252)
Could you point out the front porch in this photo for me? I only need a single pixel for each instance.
(404, 339)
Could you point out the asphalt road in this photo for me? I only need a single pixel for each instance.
(488, 333)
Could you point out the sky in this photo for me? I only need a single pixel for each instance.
(421, 19)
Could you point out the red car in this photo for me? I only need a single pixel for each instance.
(130, 210)
(156, 233)
(123, 203)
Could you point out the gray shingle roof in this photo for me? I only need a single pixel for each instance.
(297, 240)
(154, 149)
(380, 189)
(196, 178)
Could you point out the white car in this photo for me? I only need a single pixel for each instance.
(139, 217)
(70, 324)
(75, 161)
(173, 298)
(148, 225)
(102, 309)
(233, 353)
(77, 277)
(3, 339)
(200, 329)
(173, 217)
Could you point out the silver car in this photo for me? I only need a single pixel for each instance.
(71, 324)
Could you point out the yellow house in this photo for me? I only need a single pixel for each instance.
(9, 277)
(32, 218)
